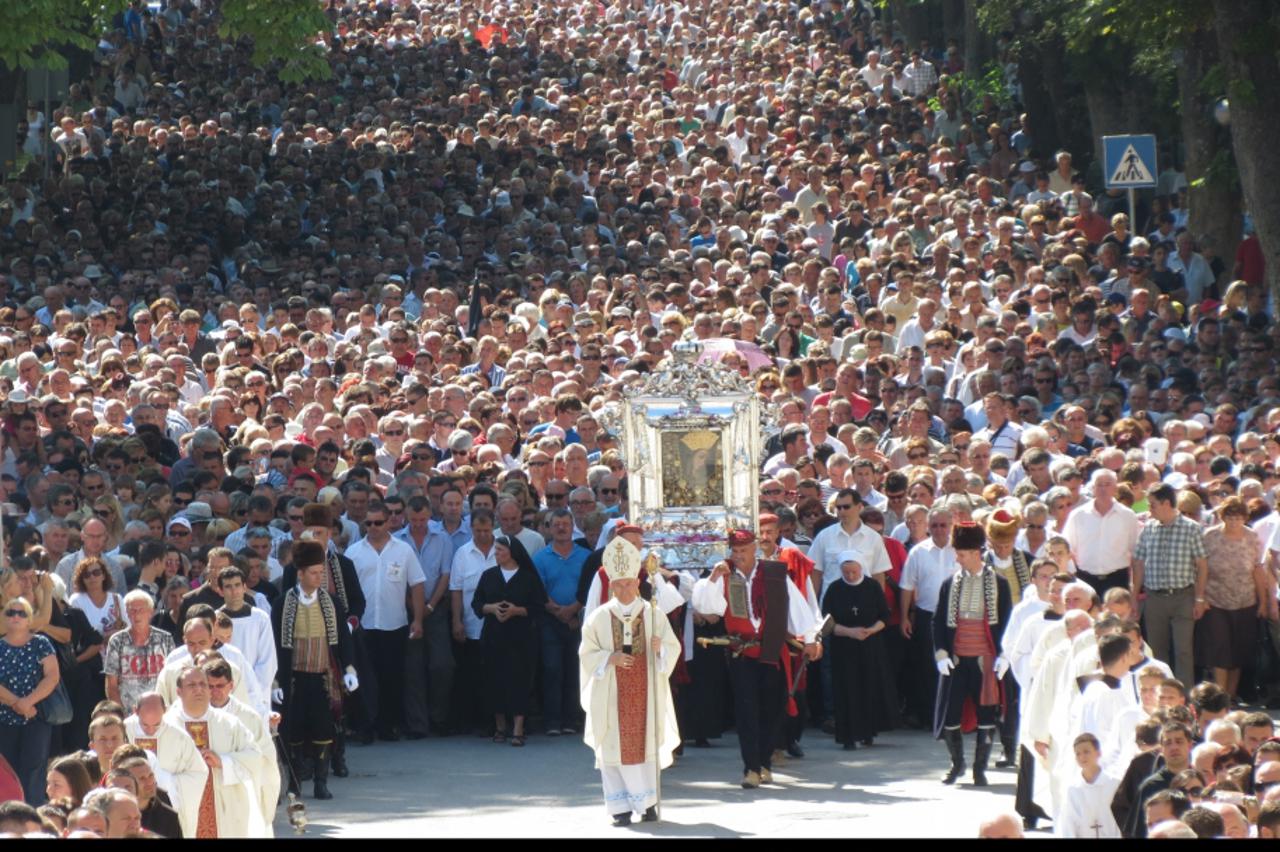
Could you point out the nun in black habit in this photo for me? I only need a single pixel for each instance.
(862, 686)
(509, 597)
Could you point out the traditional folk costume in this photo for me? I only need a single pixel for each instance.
(630, 717)
(968, 624)
(760, 608)
(799, 571)
(341, 583)
(223, 802)
(1002, 529)
(313, 648)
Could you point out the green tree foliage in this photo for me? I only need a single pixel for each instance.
(29, 28)
(284, 33)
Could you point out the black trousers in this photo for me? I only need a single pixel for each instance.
(1012, 696)
(308, 718)
(387, 649)
(704, 697)
(1022, 801)
(1114, 580)
(921, 668)
(759, 699)
(965, 682)
(468, 679)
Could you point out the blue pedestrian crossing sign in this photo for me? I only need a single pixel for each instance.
(1129, 162)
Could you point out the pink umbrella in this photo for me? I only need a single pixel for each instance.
(716, 348)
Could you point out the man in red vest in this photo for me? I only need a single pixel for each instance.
(736, 591)
(799, 567)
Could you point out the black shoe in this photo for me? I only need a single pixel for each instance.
(1008, 754)
(1029, 823)
(678, 751)
(321, 788)
(955, 748)
(366, 738)
(651, 814)
(338, 760)
(622, 820)
(702, 742)
(981, 753)
(794, 750)
(869, 741)
(391, 735)
(851, 747)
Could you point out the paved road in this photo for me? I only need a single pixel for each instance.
(470, 787)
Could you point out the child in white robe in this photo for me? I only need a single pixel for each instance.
(1086, 807)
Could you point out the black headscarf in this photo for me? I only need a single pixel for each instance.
(518, 554)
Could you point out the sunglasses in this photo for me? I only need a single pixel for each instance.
(16, 613)
(369, 523)
(96, 572)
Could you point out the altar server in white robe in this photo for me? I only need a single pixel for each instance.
(1046, 725)
(1086, 806)
(220, 697)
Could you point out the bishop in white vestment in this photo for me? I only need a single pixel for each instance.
(627, 655)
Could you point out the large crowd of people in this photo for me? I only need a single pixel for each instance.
(301, 391)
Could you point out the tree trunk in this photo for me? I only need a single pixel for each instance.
(1247, 41)
(1215, 202)
(974, 47)
(1038, 101)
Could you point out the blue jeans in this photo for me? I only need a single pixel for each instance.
(26, 748)
(559, 673)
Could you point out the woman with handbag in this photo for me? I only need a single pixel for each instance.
(28, 675)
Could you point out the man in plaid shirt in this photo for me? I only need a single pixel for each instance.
(1170, 562)
(920, 76)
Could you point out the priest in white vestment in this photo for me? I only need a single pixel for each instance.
(222, 800)
(627, 655)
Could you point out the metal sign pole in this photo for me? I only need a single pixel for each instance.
(1133, 212)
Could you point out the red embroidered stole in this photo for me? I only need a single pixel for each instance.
(207, 821)
(633, 691)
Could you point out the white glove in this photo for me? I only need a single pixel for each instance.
(1001, 666)
(350, 681)
(945, 666)
(277, 696)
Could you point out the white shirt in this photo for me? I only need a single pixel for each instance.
(469, 562)
(1003, 439)
(927, 568)
(385, 578)
(828, 544)
(1102, 544)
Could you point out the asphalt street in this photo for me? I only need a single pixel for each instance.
(471, 787)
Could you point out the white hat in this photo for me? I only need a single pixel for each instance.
(621, 560)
